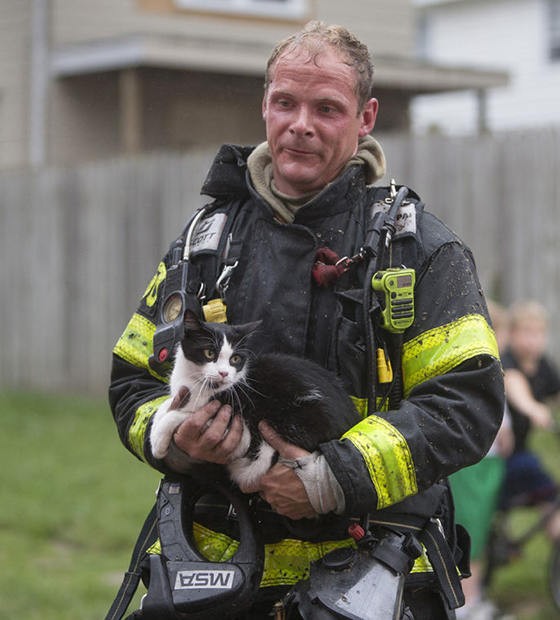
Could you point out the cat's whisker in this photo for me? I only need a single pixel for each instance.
(199, 396)
(250, 388)
(235, 400)
(231, 398)
(245, 389)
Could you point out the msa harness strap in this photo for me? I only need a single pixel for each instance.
(182, 291)
(129, 585)
(391, 307)
(176, 298)
(443, 563)
(376, 248)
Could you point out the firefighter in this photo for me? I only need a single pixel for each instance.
(282, 241)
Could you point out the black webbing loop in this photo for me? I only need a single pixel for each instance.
(147, 537)
(443, 563)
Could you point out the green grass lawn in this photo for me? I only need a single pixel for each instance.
(73, 500)
(522, 587)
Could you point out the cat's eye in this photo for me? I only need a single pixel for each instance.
(235, 359)
(209, 354)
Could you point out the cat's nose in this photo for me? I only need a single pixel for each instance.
(223, 373)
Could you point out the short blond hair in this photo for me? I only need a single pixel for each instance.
(527, 309)
(313, 38)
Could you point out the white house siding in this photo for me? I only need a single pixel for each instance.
(387, 26)
(504, 34)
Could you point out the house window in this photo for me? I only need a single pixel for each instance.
(273, 8)
(554, 29)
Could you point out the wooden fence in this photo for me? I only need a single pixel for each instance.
(80, 244)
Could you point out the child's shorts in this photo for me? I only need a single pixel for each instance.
(526, 482)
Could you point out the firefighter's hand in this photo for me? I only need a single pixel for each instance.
(209, 434)
(280, 486)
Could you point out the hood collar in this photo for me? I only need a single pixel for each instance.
(369, 156)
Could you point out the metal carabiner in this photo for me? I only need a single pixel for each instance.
(223, 280)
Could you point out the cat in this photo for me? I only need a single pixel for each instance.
(304, 403)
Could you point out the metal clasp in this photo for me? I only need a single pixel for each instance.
(223, 280)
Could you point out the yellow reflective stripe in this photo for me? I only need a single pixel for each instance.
(387, 458)
(135, 344)
(422, 564)
(361, 405)
(137, 430)
(286, 562)
(384, 450)
(151, 294)
(441, 349)
(155, 549)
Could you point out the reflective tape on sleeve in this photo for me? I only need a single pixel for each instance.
(137, 430)
(441, 349)
(136, 344)
(387, 457)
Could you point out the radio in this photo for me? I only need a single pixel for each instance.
(396, 285)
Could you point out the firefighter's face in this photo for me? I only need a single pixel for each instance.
(312, 118)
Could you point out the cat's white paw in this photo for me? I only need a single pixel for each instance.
(164, 424)
(160, 446)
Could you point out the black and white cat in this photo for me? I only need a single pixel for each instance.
(303, 402)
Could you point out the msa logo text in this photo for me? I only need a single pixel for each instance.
(186, 579)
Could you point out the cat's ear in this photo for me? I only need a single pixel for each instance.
(251, 328)
(191, 321)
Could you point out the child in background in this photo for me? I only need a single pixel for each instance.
(476, 490)
(531, 380)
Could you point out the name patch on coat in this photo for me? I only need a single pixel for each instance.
(208, 232)
(406, 217)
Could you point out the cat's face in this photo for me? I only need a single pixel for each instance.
(217, 354)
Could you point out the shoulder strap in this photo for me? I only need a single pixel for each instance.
(443, 563)
(131, 579)
(189, 283)
(378, 240)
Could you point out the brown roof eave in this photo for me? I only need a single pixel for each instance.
(423, 78)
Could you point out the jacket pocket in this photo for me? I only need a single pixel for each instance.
(350, 343)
